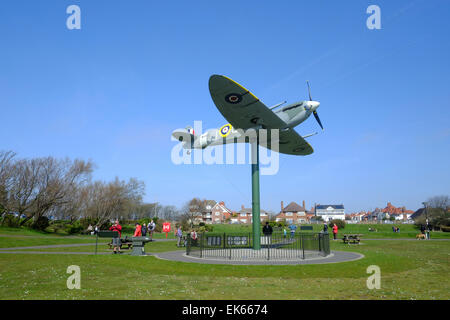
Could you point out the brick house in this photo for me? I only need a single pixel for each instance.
(293, 213)
(398, 213)
(220, 213)
(213, 212)
(356, 217)
(245, 216)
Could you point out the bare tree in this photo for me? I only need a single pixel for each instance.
(442, 202)
(113, 200)
(35, 187)
(169, 213)
(193, 209)
(6, 160)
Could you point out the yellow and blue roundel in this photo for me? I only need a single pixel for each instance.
(225, 130)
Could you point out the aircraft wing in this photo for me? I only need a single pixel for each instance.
(239, 106)
(290, 142)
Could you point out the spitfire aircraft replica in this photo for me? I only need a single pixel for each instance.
(244, 111)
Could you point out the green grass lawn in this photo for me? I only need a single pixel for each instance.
(152, 247)
(9, 242)
(409, 270)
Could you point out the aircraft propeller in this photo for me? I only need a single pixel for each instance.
(316, 115)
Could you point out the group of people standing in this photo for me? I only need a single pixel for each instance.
(92, 231)
(179, 236)
(141, 231)
(425, 230)
(334, 228)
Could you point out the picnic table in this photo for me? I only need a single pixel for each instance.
(352, 238)
(123, 242)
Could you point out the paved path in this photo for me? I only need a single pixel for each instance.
(46, 237)
(53, 246)
(52, 252)
(14, 249)
(335, 257)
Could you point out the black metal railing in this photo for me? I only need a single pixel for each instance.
(239, 246)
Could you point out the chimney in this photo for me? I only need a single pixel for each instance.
(242, 207)
(222, 203)
(304, 204)
(282, 206)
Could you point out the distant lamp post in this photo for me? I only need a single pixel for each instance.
(426, 211)
(427, 230)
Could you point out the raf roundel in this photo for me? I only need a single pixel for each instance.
(225, 130)
(233, 98)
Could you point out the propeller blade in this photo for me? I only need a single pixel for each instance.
(316, 115)
(309, 91)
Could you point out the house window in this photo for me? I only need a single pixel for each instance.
(289, 214)
(243, 214)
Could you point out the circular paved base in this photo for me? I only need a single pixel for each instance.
(334, 257)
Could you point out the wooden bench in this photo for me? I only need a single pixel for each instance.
(123, 242)
(352, 238)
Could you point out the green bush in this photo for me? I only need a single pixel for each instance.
(10, 221)
(340, 223)
(74, 228)
(55, 226)
(41, 223)
(280, 224)
(85, 222)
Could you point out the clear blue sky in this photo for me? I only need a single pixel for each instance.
(115, 90)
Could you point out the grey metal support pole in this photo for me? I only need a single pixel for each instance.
(255, 195)
(96, 242)
(303, 245)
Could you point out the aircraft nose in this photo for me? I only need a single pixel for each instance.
(314, 105)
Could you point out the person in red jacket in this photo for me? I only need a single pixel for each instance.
(335, 231)
(116, 241)
(138, 230)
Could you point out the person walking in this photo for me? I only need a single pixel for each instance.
(115, 241)
(179, 235)
(151, 228)
(428, 229)
(325, 227)
(335, 231)
(293, 228)
(144, 230)
(193, 235)
(422, 229)
(267, 231)
(138, 230)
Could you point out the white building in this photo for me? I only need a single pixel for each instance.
(330, 212)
